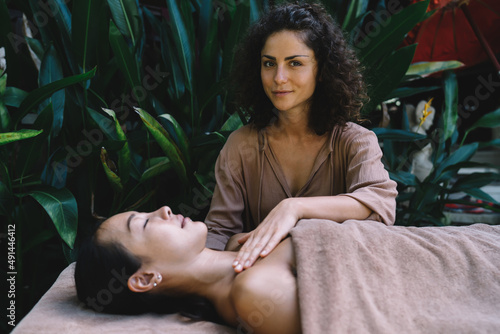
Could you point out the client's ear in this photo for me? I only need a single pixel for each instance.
(141, 281)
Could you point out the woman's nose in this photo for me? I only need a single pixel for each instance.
(280, 76)
(165, 212)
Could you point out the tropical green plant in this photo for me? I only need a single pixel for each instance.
(422, 201)
(72, 146)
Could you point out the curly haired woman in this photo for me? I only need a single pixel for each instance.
(302, 155)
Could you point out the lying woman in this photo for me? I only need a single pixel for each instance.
(354, 277)
(158, 262)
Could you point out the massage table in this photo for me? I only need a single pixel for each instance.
(354, 277)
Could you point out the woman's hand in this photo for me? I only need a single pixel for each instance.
(269, 233)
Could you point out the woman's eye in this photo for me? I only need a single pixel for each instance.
(267, 64)
(294, 63)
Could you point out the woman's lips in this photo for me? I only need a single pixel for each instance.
(185, 221)
(279, 93)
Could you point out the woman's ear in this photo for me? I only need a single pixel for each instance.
(142, 281)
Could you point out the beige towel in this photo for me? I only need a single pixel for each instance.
(365, 277)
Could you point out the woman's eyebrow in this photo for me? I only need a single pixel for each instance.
(129, 220)
(286, 58)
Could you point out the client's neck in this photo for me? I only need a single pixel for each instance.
(210, 275)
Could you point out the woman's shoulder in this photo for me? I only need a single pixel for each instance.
(241, 140)
(243, 133)
(352, 132)
(353, 129)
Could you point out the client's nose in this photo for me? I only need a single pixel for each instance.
(165, 212)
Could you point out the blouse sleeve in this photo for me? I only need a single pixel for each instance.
(367, 180)
(225, 216)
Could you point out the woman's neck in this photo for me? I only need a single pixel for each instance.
(292, 124)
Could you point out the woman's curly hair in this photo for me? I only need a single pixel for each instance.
(340, 89)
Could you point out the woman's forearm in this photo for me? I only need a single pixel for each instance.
(337, 208)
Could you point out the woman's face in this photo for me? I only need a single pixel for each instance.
(288, 71)
(156, 234)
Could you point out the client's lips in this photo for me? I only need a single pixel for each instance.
(184, 221)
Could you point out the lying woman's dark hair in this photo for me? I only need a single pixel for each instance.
(101, 275)
(340, 89)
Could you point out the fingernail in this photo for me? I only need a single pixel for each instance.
(264, 252)
(235, 263)
(238, 267)
(247, 264)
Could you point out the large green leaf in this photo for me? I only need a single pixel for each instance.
(9, 137)
(475, 180)
(171, 60)
(3, 83)
(479, 194)
(63, 16)
(254, 11)
(166, 143)
(124, 57)
(60, 205)
(209, 54)
(384, 79)
(124, 153)
(180, 136)
(127, 18)
(450, 111)
(397, 135)
(405, 178)
(5, 120)
(14, 96)
(356, 9)
(462, 154)
(31, 149)
(85, 31)
(238, 27)
(410, 91)
(232, 123)
(205, 16)
(38, 95)
(108, 166)
(158, 166)
(490, 120)
(390, 34)
(105, 124)
(181, 41)
(423, 69)
(51, 71)
(494, 142)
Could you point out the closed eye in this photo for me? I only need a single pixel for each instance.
(147, 220)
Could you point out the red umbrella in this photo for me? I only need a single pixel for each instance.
(463, 30)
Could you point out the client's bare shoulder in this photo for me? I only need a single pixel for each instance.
(265, 295)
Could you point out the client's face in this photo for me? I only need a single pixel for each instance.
(155, 235)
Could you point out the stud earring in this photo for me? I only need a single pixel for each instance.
(159, 277)
(154, 284)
